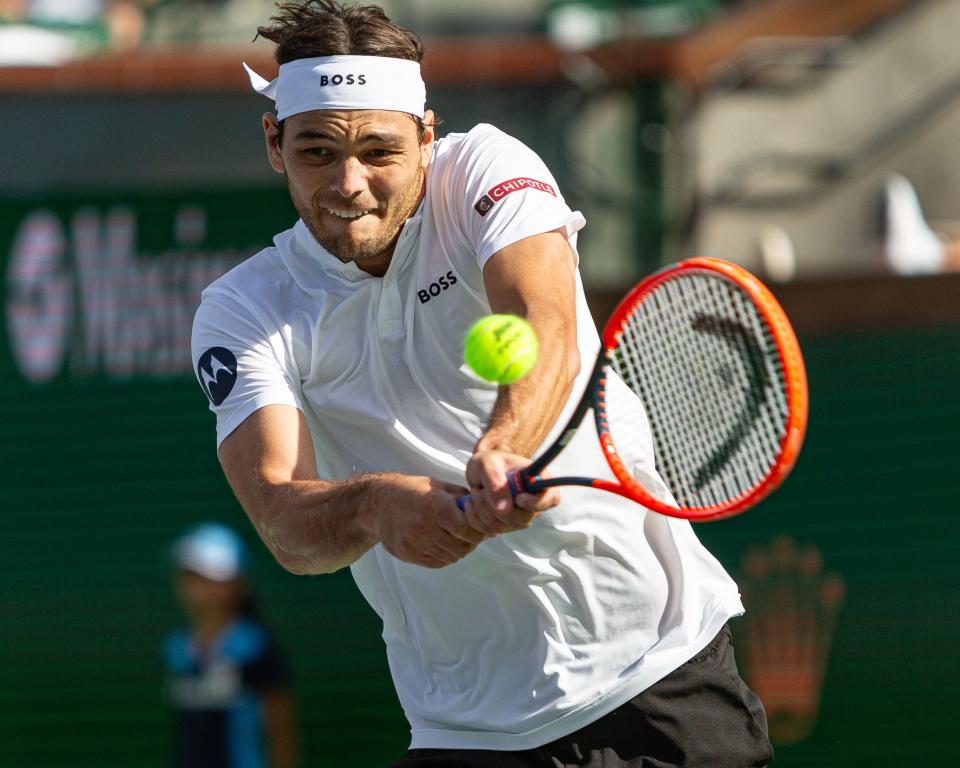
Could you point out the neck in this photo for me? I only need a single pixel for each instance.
(377, 266)
(208, 628)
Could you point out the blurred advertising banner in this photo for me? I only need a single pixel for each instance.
(108, 453)
(107, 285)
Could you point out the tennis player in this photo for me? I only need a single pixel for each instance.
(553, 630)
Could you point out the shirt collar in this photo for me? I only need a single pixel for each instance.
(307, 245)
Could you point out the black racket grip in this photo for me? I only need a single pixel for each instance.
(515, 483)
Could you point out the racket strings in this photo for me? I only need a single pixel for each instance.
(702, 358)
(766, 407)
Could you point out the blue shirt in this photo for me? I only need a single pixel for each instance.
(217, 695)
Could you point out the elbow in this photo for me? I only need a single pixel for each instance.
(290, 527)
(290, 562)
(269, 519)
(297, 563)
(301, 566)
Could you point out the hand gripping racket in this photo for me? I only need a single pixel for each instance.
(712, 357)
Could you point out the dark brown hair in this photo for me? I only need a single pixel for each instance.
(326, 28)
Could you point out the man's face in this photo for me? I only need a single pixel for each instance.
(355, 177)
(204, 598)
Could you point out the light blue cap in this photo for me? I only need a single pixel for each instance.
(212, 550)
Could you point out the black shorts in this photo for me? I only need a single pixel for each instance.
(701, 714)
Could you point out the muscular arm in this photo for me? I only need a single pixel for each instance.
(534, 278)
(316, 526)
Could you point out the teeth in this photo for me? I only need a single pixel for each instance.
(347, 214)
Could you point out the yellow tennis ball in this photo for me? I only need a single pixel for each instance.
(501, 348)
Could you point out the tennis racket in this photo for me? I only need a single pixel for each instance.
(712, 358)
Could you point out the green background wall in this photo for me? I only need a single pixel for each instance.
(102, 469)
(100, 472)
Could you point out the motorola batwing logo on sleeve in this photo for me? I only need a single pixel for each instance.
(217, 371)
(504, 188)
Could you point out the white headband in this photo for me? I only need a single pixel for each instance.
(344, 82)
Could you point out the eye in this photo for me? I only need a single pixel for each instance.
(381, 154)
(317, 152)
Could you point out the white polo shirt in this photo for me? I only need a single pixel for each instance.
(538, 632)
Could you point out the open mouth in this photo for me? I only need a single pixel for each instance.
(346, 214)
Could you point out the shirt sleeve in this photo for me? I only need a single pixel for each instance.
(240, 364)
(508, 194)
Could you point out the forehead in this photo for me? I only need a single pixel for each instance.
(185, 575)
(351, 124)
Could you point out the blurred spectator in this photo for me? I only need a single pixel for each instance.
(582, 24)
(49, 32)
(910, 245)
(777, 254)
(225, 678)
(206, 21)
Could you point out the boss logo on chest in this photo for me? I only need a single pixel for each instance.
(436, 288)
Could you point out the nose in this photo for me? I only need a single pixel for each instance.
(349, 179)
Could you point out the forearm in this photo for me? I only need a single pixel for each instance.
(516, 283)
(315, 526)
(522, 417)
(318, 526)
(526, 410)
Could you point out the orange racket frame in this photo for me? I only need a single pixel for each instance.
(791, 360)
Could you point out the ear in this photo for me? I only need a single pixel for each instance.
(271, 134)
(426, 148)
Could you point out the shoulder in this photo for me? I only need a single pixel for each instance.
(466, 165)
(481, 141)
(251, 277)
(256, 291)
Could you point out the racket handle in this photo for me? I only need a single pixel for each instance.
(514, 482)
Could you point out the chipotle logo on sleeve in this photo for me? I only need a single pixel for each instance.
(504, 188)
